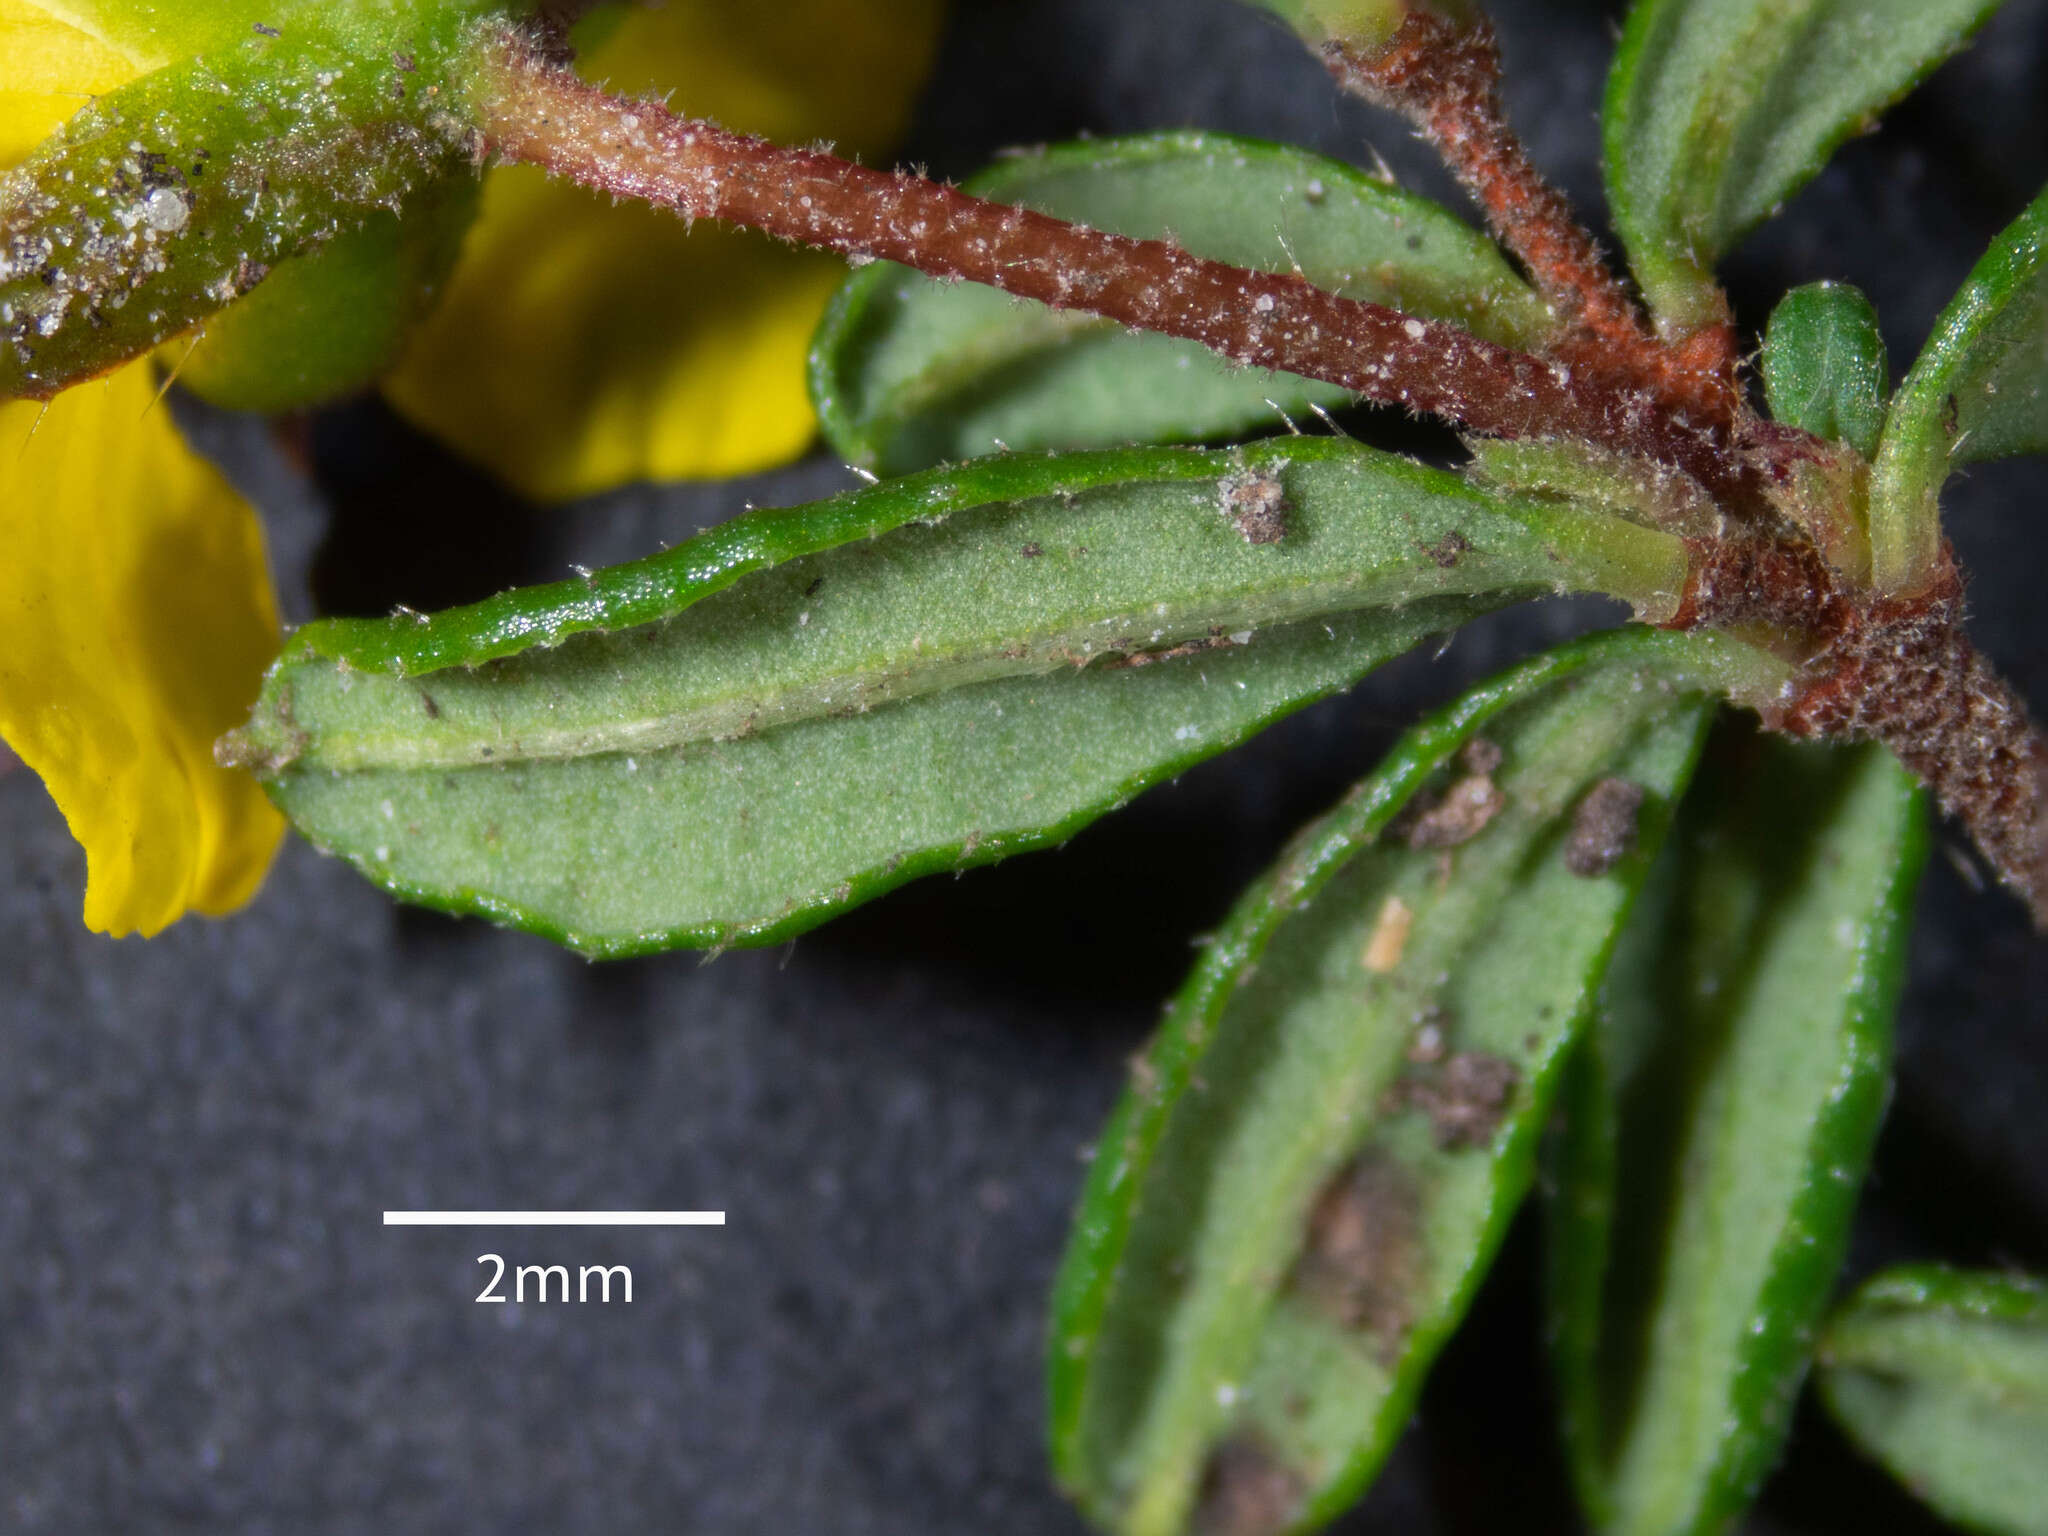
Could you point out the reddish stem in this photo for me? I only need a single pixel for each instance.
(534, 110)
(1444, 76)
(1900, 671)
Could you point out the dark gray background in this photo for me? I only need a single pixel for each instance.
(204, 1327)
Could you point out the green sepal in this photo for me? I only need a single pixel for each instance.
(726, 742)
(1824, 365)
(156, 32)
(1719, 110)
(1718, 1123)
(161, 202)
(907, 372)
(1942, 1376)
(1979, 390)
(1317, 1156)
(328, 323)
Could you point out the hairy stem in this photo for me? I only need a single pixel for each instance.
(1444, 76)
(1906, 674)
(533, 109)
(1900, 671)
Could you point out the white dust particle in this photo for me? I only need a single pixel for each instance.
(166, 210)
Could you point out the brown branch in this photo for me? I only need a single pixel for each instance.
(1903, 672)
(537, 111)
(1444, 77)
(1900, 671)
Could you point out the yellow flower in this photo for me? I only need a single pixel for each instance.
(577, 346)
(135, 623)
(135, 608)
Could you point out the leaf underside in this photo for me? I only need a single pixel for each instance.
(1718, 1124)
(1942, 1375)
(1317, 1156)
(731, 740)
(1719, 110)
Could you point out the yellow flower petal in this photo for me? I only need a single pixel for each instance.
(135, 622)
(48, 70)
(581, 345)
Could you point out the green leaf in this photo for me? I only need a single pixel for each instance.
(1942, 1375)
(755, 840)
(1719, 110)
(907, 372)
(1023, 564)
(1317, 1156)
(1719, 1122)
(680, 752)
(1979, 390)
(1824, 365)
(159, 203)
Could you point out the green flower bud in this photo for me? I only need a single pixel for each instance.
(330, 322)
(164, 201)
(1357, 24)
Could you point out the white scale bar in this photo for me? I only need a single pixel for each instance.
(554, 1218)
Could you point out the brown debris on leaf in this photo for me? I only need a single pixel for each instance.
(1479, 755)
(1216, 640)
(1256, 503)
(1463, 811)
(1361, 1260)
(1603, 828)
(1246, 1492)
(1465, 1099)
(1447, 551)
(1426, 1046)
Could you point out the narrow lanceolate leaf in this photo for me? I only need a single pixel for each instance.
(1978, 391)
(1719, 110)
(1824, 365)
(1718, 1124)
(1317, 1156)
(680, 752)
(1942, 1375)
(162, 201)
(908, 372)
